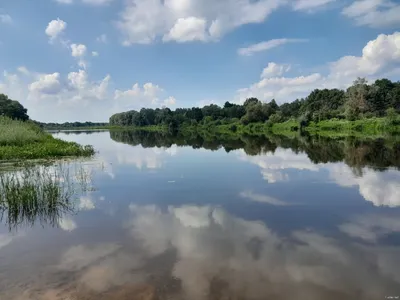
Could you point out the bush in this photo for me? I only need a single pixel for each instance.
(276, 118)
(233, 128)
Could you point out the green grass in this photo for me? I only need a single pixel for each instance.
(25, 140)
(40, 193)
(371, 126)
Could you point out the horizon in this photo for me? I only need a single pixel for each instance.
(85, 60)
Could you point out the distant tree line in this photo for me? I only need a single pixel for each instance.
(12, 109)
(360, 100)
(72, 125)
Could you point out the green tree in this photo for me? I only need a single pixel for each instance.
(12, 109)
(357, 98)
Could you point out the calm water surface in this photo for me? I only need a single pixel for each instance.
(243, 219)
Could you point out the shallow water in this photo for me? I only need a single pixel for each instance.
(218, 219)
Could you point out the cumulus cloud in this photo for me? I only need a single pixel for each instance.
(374, 13)
(281, 160)
(145, 21)
(95, 53)
(379, 188)
(273, 70)
(78, 50)
(187, 30)
(46, 84)
(68, 94)
(148, 95)
(251, 260)
(55, 28)
(267, 45)
(310, 5)
(379, 56)
(6, 19)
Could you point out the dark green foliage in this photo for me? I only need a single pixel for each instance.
(12, 109)
(358, 101)
(378, 154)
(72, 125)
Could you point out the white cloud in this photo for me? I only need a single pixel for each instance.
(262, 198)
(55, 28)
(78, 50)
(374, 13)
(310, 5)
(67, 224)
(187, 30)
(145, 21)
(147, 96)
(282, 89)
(78, 79)
(273, 70)
(97, 2)
(250, 259)
(90, 2)
(46, 84)
(267, 45)
(371, 227)
(76, 96)
(65, 1)
(95, 53)
(23, 70)
(170, 101)
(102, 38)
(86, 203)
(380, 188)
(278, 163)
(379, 56)
(6, 19)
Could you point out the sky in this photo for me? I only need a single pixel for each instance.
(84, 60)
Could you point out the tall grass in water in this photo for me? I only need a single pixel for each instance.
(26, 140)
(40, 193)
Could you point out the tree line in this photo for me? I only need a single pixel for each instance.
(72, 125)
(361, 100)
(12, 109)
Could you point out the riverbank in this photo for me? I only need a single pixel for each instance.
(25, 140)
(373, 127)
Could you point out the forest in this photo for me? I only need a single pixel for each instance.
(359, 101)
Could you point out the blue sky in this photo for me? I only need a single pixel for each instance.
(68, 60)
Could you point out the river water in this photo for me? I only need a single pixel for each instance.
(197, 218)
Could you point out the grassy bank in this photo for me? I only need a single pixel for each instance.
(374, 127)
(25, 140)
